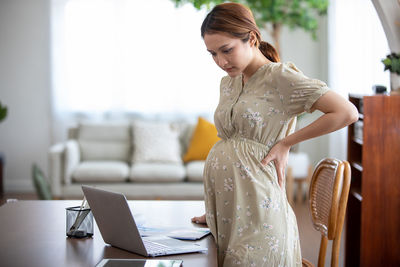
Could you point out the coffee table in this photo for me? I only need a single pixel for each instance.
(32, 233)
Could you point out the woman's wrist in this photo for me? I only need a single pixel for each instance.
(286, 142)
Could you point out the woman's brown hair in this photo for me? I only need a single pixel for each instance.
(237, 20)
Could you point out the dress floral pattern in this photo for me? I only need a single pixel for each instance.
(247, 212)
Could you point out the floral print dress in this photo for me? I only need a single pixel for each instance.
(247, 212)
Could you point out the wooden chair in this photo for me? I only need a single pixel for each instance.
(329, 190)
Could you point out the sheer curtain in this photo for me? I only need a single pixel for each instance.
(117, 57)
(357, 43)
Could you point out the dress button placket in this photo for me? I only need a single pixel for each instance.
(233, 104)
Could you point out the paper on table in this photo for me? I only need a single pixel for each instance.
(138, 263)
(184, 233)
(189, 234)
(173, 232)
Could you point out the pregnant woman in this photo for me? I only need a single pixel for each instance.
(246, 205)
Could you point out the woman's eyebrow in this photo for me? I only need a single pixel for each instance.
(221, 47)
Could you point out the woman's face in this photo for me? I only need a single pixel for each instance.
(230, 53)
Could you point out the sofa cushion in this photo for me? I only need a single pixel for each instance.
(194, 170)
(157, 172)
(203, 139)
(155, 142)
(101, 171)
(105, 141)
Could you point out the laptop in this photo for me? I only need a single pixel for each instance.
(118, 228)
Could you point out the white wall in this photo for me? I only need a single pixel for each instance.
(25, 89)
(25, 77)
(389, 14)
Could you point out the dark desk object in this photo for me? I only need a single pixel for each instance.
(373, 211)
(379, 89)
(33, 234)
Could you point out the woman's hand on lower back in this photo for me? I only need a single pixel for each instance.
(279, 154)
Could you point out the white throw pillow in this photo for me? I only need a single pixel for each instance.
(155, 142)
(105, 141)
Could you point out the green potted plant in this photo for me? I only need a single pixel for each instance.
(392, 63)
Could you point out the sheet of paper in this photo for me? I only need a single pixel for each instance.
(189, 234)
(138, 263)
(194, 233)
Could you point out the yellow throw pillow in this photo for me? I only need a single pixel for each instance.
(203, 139)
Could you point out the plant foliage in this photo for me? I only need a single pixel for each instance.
(392, 63)
(3, 112)
(293, 13)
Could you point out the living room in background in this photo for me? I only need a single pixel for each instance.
(111, 58)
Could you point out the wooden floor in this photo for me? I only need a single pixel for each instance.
(309, 238)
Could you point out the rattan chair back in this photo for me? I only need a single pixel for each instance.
(329, 189)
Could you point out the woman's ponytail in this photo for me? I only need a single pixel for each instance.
(269, 51)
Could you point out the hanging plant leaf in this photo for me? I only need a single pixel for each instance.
(392, 63)
(3, 112)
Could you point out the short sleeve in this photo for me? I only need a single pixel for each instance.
(298, 92)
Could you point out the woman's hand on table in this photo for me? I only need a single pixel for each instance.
(200, 219)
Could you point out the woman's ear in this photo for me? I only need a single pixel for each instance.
(252, 39)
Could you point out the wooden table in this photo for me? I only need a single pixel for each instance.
(32, 233)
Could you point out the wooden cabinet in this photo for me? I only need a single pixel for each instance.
(373, 211)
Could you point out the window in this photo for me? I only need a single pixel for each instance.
(131, 56)
(357, 43)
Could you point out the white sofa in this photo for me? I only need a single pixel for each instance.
(141, 159)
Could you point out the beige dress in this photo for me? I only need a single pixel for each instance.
(247, 212)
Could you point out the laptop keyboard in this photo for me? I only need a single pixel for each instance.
(156, 248)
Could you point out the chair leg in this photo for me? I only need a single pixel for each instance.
(322, 251)
(335, 252)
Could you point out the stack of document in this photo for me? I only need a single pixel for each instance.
(193, 233)
(138, 263)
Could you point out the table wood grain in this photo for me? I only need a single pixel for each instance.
(32, 233)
